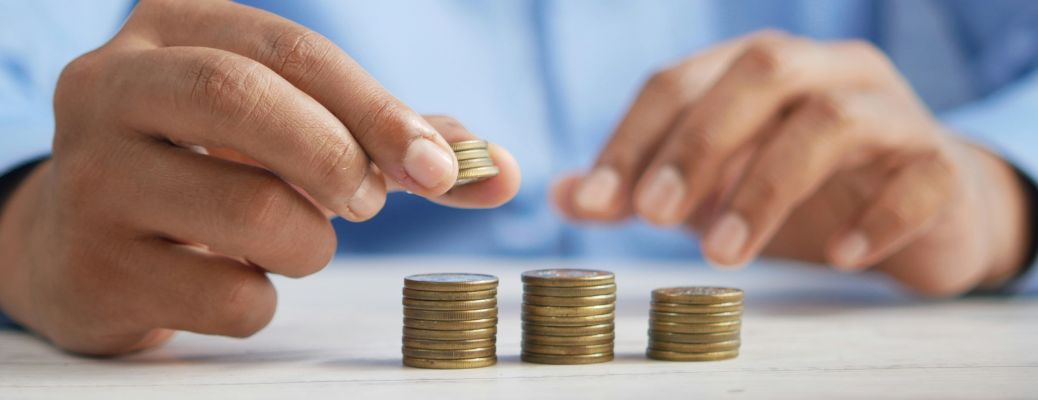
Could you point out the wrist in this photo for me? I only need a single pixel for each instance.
(18, 213)
(1005, 206)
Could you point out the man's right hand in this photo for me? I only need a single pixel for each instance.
(202, 147)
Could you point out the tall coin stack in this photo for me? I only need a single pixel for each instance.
(450, 320)
(474, 162)
(695, 324)
(568, 316)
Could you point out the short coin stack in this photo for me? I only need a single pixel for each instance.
(474, 162)
(568, 316)
(450, 320)
(695, 324)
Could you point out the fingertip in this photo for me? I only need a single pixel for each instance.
(562, 195)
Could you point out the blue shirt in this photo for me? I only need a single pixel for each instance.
(550, 79)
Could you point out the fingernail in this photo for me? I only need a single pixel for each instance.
(597, 190)
(849, 251)
(726, 238)
(365, 202)
(427, 163)
(662, 196)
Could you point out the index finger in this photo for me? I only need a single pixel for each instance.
(405, 147)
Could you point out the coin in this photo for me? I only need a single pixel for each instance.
(450, 315)
(567, 350)
(600, 338)
(695, 318)
(569, 321)
(712, 327)
(547, 330)
(450, 305)
(450, 325)
(450, 296)
(469, 145)
(566, 360)
(451, 282)
(675, 356)
(567, 277)
(475, 163)
(472, 154)
(449, 354)
(431, 334)
(697, 295)
(583, 291)
(694, 347)
(696, 308)
(450, 364)
(478, 173)
(448, 344)
(569, 301)
(695, 338)
(548, 311)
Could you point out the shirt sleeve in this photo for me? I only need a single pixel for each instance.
(39, 38)
(1003, 50)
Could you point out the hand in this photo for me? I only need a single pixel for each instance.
(788, 147)
(195, 153)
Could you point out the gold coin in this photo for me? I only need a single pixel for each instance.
(567, 277)
(712, 327)
(450, 325)
(429, 334)
(449, 296)
(450, 364)
(450, 305)
(586, 311)
(696, 309)
(449, 354)
(675, 356)
(475, 163)
(600, 338)
(449, 344)
(567, 350)
(694, 347)
(469, 145)
(695, 318)
(547, 330)
(583, 291)
(569, 301)
(451, 282)
(569, 321)
(472, 154)
(450, 315)
(694, 338)
(566, 360)
(479, 172)
(697, 295)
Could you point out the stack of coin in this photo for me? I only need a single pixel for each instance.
(695, 324)
(568, 316)
(474, 162)
(450, 320)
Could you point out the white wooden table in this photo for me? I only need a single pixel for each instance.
(808, 333)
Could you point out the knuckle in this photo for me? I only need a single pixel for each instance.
(267, 205)
(828, 110)
(299, 53)
(759, 191)
(339, 164)
(249, 304)
(765, 59)
(380, 120)
(75, 78)
(668, 83)
(229, 86)
(697, 144)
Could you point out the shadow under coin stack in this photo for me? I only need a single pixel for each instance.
(474, 162)
(695, 324)
(450, 320)
(568, 316)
